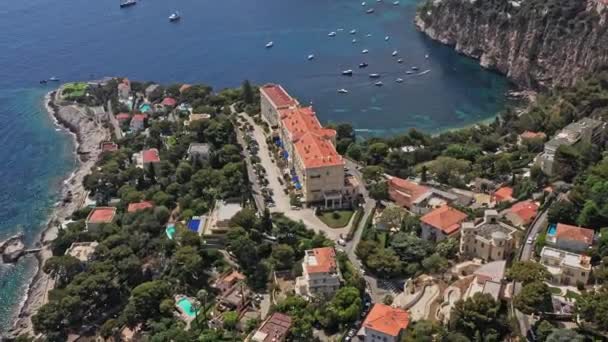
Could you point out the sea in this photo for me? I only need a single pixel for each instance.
(219, 43)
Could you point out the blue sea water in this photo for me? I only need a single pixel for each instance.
(219, 43)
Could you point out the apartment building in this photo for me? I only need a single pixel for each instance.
(585, 130)
(489, 240)
(320, 273)
(315, 167)
(566, 268)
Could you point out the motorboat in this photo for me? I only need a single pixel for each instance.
(394, 53)
(386, 38)
(348, 72)
(414, 68)
(364, 51)
(370, 11)
(363, 65)
(174, 16)
(399, 80)
(332, 34)
(127, 3)
(379, 84)
(311, 57)
(54, 79)
(363, 3)
(269, 45)
(340, 29)
(342, 91)
(400, 61)
(368, 35)
(43, 81)
(374, 75)
(409, 72)
(426, 56)
(395, 3)
(353, 31)
(354, 40)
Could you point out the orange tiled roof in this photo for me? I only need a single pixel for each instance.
(133, 207)
(526, 210)
(568, 232)
(405, 192)
(445, 218)
(150, 156)
(278, 96)
(388, 320)
(532, 135)
(101, 215)
(301, 120)
(315, 151)
(504, 194)
(325, 260)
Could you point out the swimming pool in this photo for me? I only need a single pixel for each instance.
(552, 229)
(170, 230)
(186, 307)
(145, 107)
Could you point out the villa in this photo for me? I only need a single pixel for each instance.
(100, 216)
(566, 268)
(199, 152)
(503, 194)
(169, 102)
(488, 279)
(82, 251)
(417, 198)
(570, 238)
(529, 135)
(148, 159)
(227, 280)
(384, 324)
(138, 122)
(522, 213)
(109, 146)
(197, 117)
(441, 223)
(489, 240)
(274, 329)
(124, 89)
(137, 206)
(320, 273)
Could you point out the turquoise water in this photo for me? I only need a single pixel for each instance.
(219, 43)
(552, 229)
(144, 108)
(170, 230)
(187, 307)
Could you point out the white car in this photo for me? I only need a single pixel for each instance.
(341, 242)
(530, 240)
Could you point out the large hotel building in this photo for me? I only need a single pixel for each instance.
(316, 168)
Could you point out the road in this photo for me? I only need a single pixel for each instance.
(255, 186)
(526, 254)
(117, 130)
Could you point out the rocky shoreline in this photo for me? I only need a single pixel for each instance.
(88, 131)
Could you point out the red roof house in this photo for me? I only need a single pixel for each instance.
(522, 213)
(108, 146)
(150, 156)
(573, 238)
(504, 194)
(169, 102)
(441, 223)
(384, 320)
(533, 135)
(133, 207)
(123, 116)
(325, 260)
(405, 192)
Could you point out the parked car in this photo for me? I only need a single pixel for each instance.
(530, 240)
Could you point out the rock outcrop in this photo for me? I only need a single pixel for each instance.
(535, 43)
(12, 248)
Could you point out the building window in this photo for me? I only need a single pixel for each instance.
(583, 274)
(315, 176)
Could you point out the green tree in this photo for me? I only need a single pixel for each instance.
(592, 307)
(528, 272)
(422, 331)
(379, 191)
(372, 173)
(478, 316)
(564, 335)
(535, 297)
(231, 318)
(562, 212)
(62, 268)
(283, 256)
(145, 300)
(247, 92)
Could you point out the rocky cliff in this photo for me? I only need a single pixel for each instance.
(536, 43)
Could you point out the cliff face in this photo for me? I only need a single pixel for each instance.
(536, 43)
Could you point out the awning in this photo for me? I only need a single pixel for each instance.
(298, 186)
(285, 155)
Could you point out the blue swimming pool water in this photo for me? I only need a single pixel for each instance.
(144, 108)
(552, 229)
(194, 224)
(187, 307)
(170, 230)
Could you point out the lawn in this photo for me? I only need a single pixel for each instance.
(336, 218)
(74, 90)
(572, 295)
(555, 290)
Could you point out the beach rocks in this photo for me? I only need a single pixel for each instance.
(12, 248)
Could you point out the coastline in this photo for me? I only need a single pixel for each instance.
(78, 123)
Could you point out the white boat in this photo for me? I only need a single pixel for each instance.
(363, 65)
(54, 79)
(311, 57)
(414, 68)
(426, 56)
(363, 3)
(399, 80)
(386, 38)
(395, 3)
(353, 31)
(368, 35)
(332, 34)
(394, 53)
(348, 72)
(342, 91)
(365, 51)
(127, 3)
(174, 16)
(340, 29)
(400, 61)
(354, 40)
(374, 75)
(370, 11)
(379, 84)
(409, 72)
(269, 45)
